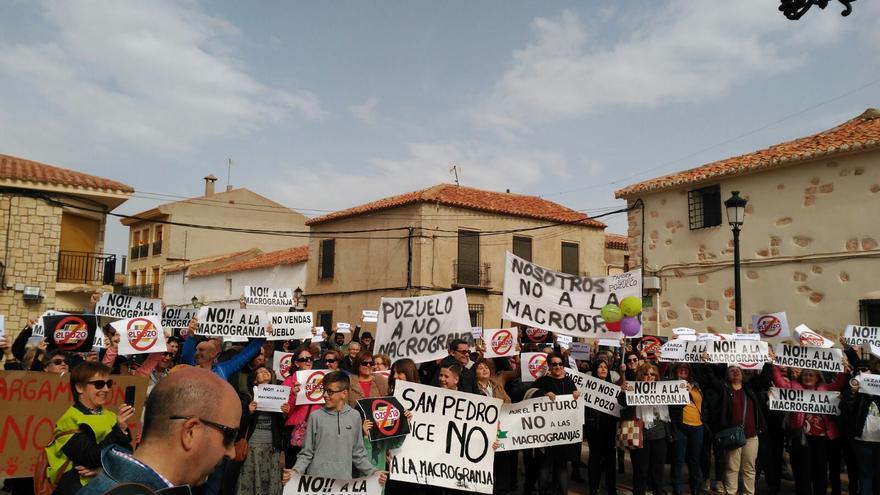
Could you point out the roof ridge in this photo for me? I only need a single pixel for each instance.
(9, 164)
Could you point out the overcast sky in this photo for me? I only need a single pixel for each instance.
(324, 105)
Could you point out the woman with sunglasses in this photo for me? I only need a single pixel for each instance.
(649, 461)
(367, 384)
(74, 457)
(331, 360)
(298, 415)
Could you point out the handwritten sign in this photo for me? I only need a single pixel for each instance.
(580, 351)
(660, 393)
(805, 401)
(268, 296)
(540, 422)
(290, 326)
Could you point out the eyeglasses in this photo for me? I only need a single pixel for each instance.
(462, 351)
(632, 360)
(57, 362)
(330, 391)
(303, 360)
(366, 363)
(330, 360)
(229, 433)
(167, 354)
(99, 384)
(555, 364)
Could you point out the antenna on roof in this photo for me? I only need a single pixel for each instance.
(229, 173)
(453, 169)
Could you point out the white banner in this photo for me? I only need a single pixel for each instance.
(289, 326)
(302, 484)
(563, 303)
(500, 342)
(120, 306)
(860, 335)
(541, 422)
(810, 338)
(532, 365)
(282, 363)
(771, 325)
(580, 351)
(805, 401)
(421, 328)
(141, 335)
(268, 296)
(597, 394)
(666, 392)
(178, 317)
(270, 398)
(450, 443)
(811, 358)
(869, 384)
(311, 386)
(737, 351)
(237, 325)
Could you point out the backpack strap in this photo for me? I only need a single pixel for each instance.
(66, 465)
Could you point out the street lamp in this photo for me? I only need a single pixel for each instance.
(194, 301)
(299, 300)
(736, 212)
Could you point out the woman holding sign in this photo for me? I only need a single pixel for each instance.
(648, 461)
(263, 432)
(599, 429)
(298, 414)
(492, 385)
(367, 384)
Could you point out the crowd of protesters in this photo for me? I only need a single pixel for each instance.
(270, 447)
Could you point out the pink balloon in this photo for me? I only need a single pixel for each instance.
(614, 327)
(630, 326)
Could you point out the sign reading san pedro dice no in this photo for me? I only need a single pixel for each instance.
(140, 335)
(70, 332)
(386, 413)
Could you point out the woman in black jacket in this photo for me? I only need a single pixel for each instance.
(600, 429)
(261, 470)
(649, 461)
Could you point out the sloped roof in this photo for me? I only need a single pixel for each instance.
(289, 256)
(212, 261)
(471, 198)
(615, 241)
(859, 134)
(15, 168)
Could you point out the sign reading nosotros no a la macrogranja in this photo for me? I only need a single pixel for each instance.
(563, 303)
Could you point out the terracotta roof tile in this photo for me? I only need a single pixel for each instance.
(859, 134)
(12, 167)
(289, 256)
(473, 199)
(212, 261)
(615, 241)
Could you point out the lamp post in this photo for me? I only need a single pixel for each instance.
(195, 301)
(299, 300)
(736, 211)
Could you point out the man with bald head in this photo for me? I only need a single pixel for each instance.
(191, 422)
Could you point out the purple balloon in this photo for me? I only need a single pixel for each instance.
(630, 326)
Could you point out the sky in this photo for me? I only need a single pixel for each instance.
(325, 105)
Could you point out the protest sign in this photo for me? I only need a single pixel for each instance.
(868, 383)
(648, 344)
(564, 341)
(674, 350)
(500, 342)
(541, 422)
(596, 393)
(289, 326)
(532, 365)
(533, 335)
(609, 343)
(805, 401)
(667, 392)
(141, 335)
(343, 327)
(811, 358)
(386, 413)
(311, 386)
(282, 363)
(70, 332)
(771, 325)
(860, 335)
(237, 325)
(32, 403)
(563, 303)
(580, 351)
(683, 331)
(746, 336)
(477, 332)
(303, 484)
(268, 296)
(450, 444)
(177, 317)
(370, 315)
(810, 338)
(421, 328)
(737, 351)
(100, 341)
(270, 398)
(122, 306)
(38, 333)
(874, 349)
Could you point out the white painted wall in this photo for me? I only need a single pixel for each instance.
(214, 289)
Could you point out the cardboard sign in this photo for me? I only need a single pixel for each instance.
(541, 422)
(563, 303)
(290, 326)
(421, 328)
(386, 413)
(370, 315)
(860, 335)
(270, 398)
(122, 306)
(532, 365)
(32, 403)
(772, 325)
(805, 401)
(282, 363)
(869, 383)
(737, 351)
(451, 440)
(178, 317)
(311, 390)
(268, 296)
(580, 351)
(303, 484)
(237, 325)
(71, 332)
(811, 358)
(597, 394)
(500, 342)
(141, 335)
(659, 393)
(810, 338)
(533, 335)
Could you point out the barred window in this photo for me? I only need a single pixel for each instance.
(704, 207)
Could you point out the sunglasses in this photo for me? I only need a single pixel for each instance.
(99, 384)
(304, 360)
(57, 362)
(555, 364)
(167, 354)
(462, 351)
(366, 363)
(229, 433)
(330, 360)
(328, 391)
(632, 360)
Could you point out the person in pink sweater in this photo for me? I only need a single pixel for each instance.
(298, 415)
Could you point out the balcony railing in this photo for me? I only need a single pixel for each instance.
(157, 248)
(149, 290)
(88, 268)
(141, 251)
(470, 274)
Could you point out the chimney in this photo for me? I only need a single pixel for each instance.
(209, 185)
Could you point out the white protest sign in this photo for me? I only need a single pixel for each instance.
(810, 338)
(667, 392)
(177, 317)
(737, 351)
(343, 327)
(747, 336)
(270, 398)
(290, 326)
(282, 363)
(771, 325)
(476, 332)
(100, 341)
(121, 306)
(860, 335)
(683, 331)
(875, 349)
(609, 343)
(564, 341)
(533, 365)
(811, 358)
(302, 484)
(268, 296)
(450, 443)
(318, 338)
(421, 328)
(563, 303)
(370, 315)
(596, 393)
(540, 422)
(500, 342)
(141, 335)
(673, 350)
(232, 323)
(805, 401)
(311, 389)
(2, 324)
(580, 351)
(869, 383)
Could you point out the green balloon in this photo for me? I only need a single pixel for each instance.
(631, 306)
(611, 313)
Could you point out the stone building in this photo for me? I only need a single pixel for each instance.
(809, 242)
(616, 254)
(52, 224)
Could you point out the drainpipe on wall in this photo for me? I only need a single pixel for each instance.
(409, 258)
